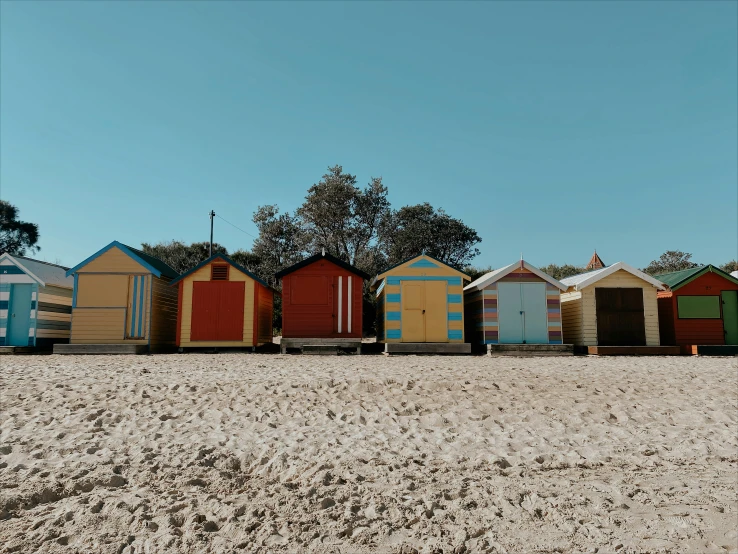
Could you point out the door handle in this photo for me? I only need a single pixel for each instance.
(423, 311)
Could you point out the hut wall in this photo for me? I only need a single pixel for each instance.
(54, 320)
(572, 317)
(265, 306)
(163, 313)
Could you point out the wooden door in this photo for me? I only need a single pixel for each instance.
(535, 313)
(19, 315)
(217, 310)
(413, 327)
(509, 313)
(620, 317)
(436, 311)
(730, 316)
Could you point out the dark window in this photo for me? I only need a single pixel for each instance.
(219, 272)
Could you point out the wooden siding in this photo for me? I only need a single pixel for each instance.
(163, 313)
(185, 318)
(265, 310)
(54, 316)
(618, 279)
(572, 317)
(102, 291)
(421, 268)
(113, 261)
(666, 318)
(100, 326)
(694, 331)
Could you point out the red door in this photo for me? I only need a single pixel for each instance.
(217, 310)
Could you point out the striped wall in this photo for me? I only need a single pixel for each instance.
(481, 310)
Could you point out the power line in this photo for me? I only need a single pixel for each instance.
(236, 226)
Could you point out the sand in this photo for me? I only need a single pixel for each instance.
(267, 453)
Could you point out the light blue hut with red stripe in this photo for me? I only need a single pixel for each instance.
(517, 304)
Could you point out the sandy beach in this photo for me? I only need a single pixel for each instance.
(268, 453)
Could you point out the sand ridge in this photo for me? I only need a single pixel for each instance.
(234, 452)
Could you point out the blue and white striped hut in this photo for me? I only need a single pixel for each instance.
(35, 302)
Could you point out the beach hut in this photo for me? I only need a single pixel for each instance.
(322, 303)
(612, 310)
(420, 307)
(515, 305)
(222, 304)
(699, 311)
(35, 302)
(122, 303)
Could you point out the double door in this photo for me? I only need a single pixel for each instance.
(621, 319)
(424, 311)
(522, 313)
(217, 311)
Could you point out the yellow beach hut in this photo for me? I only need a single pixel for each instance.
(612, 310)
(122, 303)
(420, 307)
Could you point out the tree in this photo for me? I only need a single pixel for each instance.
(669, 261)
(344, 219)
(180, 256)
(281, 242)
(562, 271)
(16, 237)
(474, 272)
(420, 229)
(730, 267)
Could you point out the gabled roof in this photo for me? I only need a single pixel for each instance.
(589, 278)
(315, 258)
(494, 276)
(595, 262)
(42, 272)
(420, 263)
(225, 259)
(154, 265)
(677, 279)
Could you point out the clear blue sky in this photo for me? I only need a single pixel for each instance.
(550, 127)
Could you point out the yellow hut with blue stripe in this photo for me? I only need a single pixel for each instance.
(420, 307)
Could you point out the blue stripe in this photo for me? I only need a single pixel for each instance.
(133, 306)
(3, 304)
(11, 270)
(454, 316)
(141, 308)
(393, 298)
(74, 293)
(454, 299)
(455, 334)
(423, 263)
(393, 316)
(393, 333)
(33, 304)
(449, 280)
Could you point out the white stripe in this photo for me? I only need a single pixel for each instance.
(33, 314)
(3, 314)
(2, 331)
(4, 296)
(31, 331)
(33, 296)
(340, 303)
(350, 298)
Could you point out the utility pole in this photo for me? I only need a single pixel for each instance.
(212, 215)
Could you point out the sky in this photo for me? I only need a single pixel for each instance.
(552, 128)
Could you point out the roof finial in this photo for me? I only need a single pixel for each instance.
(324, 251)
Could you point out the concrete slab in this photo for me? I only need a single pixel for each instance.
(101, 349)
(529, 350)
(427, 348)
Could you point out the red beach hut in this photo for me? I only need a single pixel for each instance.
(322, 303)
(699, 312)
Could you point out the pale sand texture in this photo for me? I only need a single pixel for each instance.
(246, 453)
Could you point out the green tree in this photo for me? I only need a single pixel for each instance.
(421, 229)
(182, 257)
(730, 267)
(474, 272)
(344, 219)
(16, 237)
(562, 271)
(669, 261)
(281, 242)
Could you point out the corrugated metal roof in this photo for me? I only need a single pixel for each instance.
(574, 280)
(676, 277)
(734, 274)
(491, 277)
(50, 274)
(589, 278)
(154, 262)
